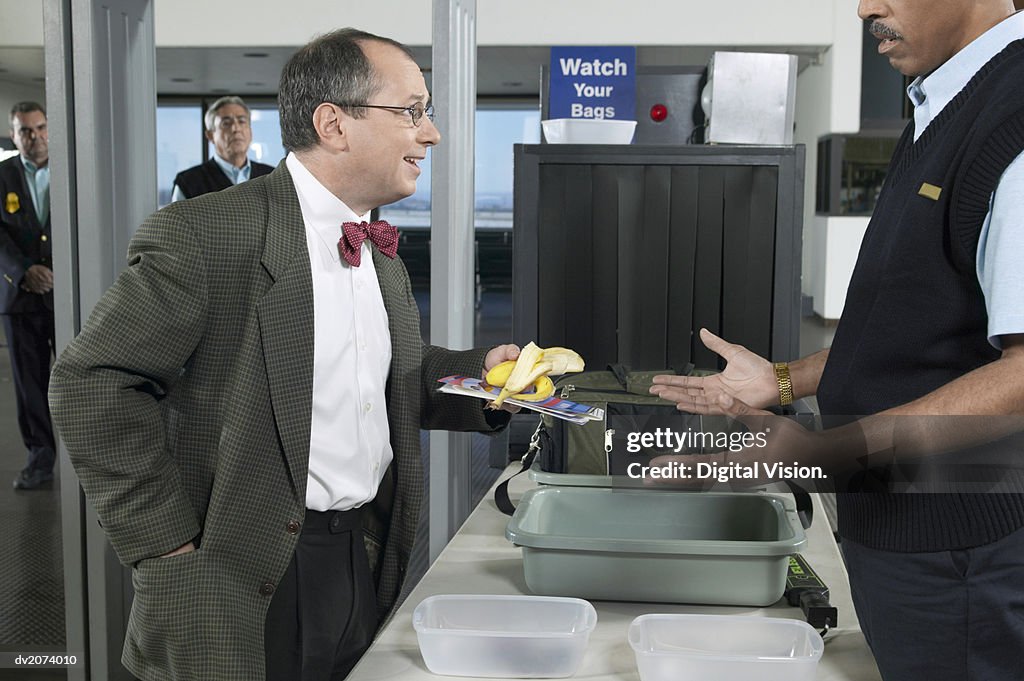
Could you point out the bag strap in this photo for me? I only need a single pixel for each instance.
(501, 498)
(621, 373)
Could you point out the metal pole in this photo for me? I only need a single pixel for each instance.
(452, 245)
(101, 90)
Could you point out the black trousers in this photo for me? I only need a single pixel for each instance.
(323, 615)
(945, 615)
(30, 340)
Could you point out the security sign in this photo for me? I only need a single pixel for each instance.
(593, 82)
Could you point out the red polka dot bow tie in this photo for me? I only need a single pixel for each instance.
(353, 234)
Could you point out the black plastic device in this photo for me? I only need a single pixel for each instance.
(805, 589)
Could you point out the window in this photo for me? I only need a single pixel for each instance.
(498, 127)
(496, 131)
(179, 130)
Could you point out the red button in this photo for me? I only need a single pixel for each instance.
(659, 112)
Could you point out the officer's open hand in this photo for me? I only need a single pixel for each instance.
(747, 377)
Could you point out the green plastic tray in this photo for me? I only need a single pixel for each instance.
(658, 546)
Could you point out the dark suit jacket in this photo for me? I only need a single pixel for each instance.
(185, 405)
(208, 177)
(23, 242)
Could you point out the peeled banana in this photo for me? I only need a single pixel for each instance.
(543, 389)
(499, 375)
(532, 368)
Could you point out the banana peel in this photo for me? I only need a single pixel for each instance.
(563, 360)
(533, 364)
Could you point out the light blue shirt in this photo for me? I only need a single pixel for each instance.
(236, 175)
(1000, 260)
(38, 181)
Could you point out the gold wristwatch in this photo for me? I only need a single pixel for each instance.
(785, 383)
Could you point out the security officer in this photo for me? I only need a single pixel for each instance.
(26, 289)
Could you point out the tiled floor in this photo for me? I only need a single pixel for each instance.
(31, 573)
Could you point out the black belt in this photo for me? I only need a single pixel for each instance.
(333, 522)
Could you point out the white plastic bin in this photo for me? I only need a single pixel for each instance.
(503, 636)
(724, 648)
(587, 131)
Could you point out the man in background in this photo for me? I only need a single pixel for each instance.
(26, 290)
(229, 128)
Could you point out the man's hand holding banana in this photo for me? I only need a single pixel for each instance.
(528, 377)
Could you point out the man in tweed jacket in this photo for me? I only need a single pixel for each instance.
(241, 396)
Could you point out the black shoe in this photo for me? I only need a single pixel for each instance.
(32, 479)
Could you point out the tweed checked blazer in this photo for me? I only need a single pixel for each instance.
(185, 405)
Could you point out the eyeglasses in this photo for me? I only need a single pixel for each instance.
(416, 112)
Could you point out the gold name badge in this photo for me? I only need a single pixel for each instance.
(13, 203)
(930, 191)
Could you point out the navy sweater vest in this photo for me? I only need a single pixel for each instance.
(915, 316)
(208, 177)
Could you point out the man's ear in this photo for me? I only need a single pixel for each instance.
(209, 136)
(331, 125)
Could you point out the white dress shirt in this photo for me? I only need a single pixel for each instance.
(349, 443)
(1000, 259)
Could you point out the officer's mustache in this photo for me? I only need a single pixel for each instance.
(877, 28)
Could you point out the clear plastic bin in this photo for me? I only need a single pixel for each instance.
(503, 636)
(724, 648)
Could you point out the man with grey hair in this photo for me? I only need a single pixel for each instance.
(243, 407)
(229, 128)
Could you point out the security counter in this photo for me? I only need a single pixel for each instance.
(479, 560)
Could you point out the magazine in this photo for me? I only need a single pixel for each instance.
(554, 405)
